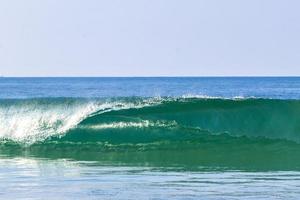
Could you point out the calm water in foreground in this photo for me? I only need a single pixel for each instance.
(150, 138)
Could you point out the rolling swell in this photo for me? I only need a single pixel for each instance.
(237, 133)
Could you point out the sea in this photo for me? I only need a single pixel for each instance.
(150, 138)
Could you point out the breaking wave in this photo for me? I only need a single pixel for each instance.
(209, 127)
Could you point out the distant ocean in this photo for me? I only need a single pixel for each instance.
(150, 138)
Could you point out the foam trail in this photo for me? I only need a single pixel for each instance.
(122, 125)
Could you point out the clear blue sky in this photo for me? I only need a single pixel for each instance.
(149, 37)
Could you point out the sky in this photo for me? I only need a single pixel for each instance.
(149, 37)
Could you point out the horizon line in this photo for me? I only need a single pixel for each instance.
(162, 76)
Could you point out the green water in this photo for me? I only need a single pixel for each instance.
(189, 133)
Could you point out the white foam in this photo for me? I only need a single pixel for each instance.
(120, 125)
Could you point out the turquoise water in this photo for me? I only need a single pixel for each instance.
(149, 138)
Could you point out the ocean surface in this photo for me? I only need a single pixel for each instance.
(150, 138)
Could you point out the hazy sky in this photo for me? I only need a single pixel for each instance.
(149, 37)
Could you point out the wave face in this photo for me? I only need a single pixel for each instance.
(190, 130)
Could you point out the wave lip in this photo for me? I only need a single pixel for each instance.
(197, 96)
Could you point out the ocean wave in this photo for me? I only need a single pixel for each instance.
(36, 120)
(252, 134)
